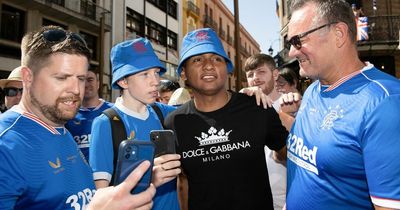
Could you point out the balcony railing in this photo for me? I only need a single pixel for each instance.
(230, 40)
(84, 7)
(222, 33)
(383, 29)
(191, 7)
(244, 50)
(209, 22)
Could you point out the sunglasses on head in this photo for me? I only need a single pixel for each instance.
(12, 91)
(295, 41)
(57, 35)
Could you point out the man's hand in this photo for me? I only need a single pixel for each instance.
(120, 197)
(290, 103)
(166, 168)
(260, 96)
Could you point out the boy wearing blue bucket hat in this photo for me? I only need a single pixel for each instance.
(221, 135)
(136, 73)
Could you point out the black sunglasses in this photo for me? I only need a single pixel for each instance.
(12, 91)
(296, 39)
(57, 35)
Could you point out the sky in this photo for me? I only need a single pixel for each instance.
(260, 20)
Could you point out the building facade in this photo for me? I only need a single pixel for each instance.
(104, 23)
(90, 18)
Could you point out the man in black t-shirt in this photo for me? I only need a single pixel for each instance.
(221, 135)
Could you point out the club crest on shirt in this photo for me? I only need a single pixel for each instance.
(213, 136)
(332, 114)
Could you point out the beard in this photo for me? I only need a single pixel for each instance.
(55, 113)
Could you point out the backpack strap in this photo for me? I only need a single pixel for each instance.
(159, 113)
(118, 134)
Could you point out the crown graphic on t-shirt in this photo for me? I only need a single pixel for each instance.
(213, 137)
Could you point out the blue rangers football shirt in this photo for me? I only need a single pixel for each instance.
(41, 166)
(138, 127)
(343, 147)
(81, 126)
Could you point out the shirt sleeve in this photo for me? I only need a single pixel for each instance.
(101, 152)
(381, 146)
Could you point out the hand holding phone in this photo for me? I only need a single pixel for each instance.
(164, 142)
(130, 154)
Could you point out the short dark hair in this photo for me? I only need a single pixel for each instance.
(168, 85)
(331, 11)
(36, 49)
(289, 75)
(258, 60)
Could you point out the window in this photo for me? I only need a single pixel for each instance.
(134, 22)
(161, 4)
(59, 2)
(12, 28)
(155, 32)
(172, 40)
(88, 8)
(91, 42)
(12, 23)
(172, 8)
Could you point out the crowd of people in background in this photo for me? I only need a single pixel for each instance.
(273, 145)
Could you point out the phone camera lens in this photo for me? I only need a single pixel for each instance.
(127, 156)
(128, 149)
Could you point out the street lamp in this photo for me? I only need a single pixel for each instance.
(270, 50)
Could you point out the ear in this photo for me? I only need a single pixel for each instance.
(27, 76)
(275, 74)
(183, 74)
(341, 34)
(123, 83)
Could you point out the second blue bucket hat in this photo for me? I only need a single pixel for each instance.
(133, 56)
(201, 41)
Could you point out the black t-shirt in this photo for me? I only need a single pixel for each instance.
(223, 153)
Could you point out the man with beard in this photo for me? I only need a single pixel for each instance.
(221, 135)
(261, 72)
(92, 106)
(41, 166)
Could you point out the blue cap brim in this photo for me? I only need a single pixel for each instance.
(206, 47)
(141, 64)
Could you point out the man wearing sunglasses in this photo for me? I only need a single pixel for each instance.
(343, 148)
(41, 165)
(12, 88)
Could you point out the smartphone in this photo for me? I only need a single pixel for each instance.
(130, 154)
(164, 142)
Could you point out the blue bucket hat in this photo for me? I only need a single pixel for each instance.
(133, 56)
(202, 41)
